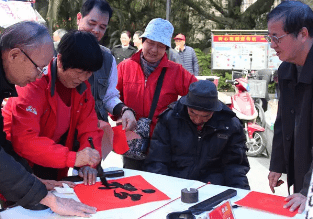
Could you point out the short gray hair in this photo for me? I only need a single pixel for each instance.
(60, 32)
(24, 34)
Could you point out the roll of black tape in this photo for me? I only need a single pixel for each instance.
(189, 196)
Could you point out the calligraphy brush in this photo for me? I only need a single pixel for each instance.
(99, 168)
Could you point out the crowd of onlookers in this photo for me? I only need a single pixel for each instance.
(56, 114)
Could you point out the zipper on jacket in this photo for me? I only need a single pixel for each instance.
(196, 157)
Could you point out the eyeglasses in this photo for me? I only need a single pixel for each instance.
(41, 71)
(275, 39)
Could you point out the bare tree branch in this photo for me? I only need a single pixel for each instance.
(217, 7)
(208, 15)
(259, 7)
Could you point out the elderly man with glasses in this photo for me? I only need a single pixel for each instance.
(40, 70)
(52, 112)
(26, 48)
(290, 33)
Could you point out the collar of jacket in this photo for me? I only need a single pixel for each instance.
(6, 88)
(53, 75)
(305, 76)
(180, 111)
(129, 47)
(164, 61)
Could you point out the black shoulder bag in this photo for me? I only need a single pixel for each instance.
(138, 147)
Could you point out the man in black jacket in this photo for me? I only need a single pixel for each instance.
(26, 48)
(290, 33)
(200, 138)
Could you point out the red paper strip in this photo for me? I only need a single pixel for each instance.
(105, 199)
(266, 202)
(120, 145)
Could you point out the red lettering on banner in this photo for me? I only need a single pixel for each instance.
(239, 38)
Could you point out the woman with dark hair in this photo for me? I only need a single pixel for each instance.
(49, 114)
(124, 50)
(137, 39)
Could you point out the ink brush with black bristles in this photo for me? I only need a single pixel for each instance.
(99, 168)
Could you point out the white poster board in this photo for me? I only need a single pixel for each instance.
(273, 60)
(12, 12)
(242, 52)
(6, 15)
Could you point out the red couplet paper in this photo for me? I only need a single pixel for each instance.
(105, 199)
(120, 145)
(266, 202)
(223, 211)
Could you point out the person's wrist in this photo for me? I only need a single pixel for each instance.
(128, 108)
(49, 200)
(79, 162)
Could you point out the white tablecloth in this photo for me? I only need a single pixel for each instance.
(171, 186)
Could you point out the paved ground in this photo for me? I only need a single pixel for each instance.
(257, 176)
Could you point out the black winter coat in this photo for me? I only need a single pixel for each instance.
(293, 129)
(16, 183)
(120, 54)
(217, 154)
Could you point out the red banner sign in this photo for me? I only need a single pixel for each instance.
(239, 38)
